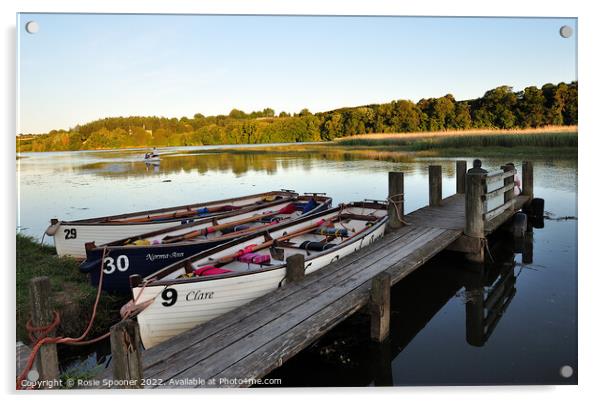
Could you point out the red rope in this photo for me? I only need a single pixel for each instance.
(45, 330)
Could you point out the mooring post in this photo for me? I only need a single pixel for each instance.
(475, 208)
(42, 315)
(295, 268)
(125, 352)
(460, 177)
(435, 185)
(527, 189)
(380, 306)
(395, 208)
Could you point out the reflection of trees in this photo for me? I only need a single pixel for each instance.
(231, 161)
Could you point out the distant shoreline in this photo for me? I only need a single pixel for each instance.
(371, 137)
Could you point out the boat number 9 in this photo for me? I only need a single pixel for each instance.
(170, 296)
(70, 233)
(121, 263)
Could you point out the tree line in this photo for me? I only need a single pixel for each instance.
(499, 108)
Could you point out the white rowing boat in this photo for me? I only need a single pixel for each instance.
(70, 237)
(204, 286)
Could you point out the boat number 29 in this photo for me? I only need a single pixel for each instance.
(121, 263)
(70, 233)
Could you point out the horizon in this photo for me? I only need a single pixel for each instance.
(149, 65)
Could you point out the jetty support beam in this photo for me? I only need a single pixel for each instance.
(395, 209)
(460, 177)
(42, 315)
(380, 307)
(435, 185)
(295, 268)
(125, 350)
(527, 188)
(475, 206)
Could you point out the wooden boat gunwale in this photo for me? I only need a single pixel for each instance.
(120, 243)
(104, 220)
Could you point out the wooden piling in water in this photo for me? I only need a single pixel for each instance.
(460, 177)
(395, 209)
(527, 188)
(42, 315)
(126, 357)
(295, 268)
(435, 185)
(475, 206)
(380, 306)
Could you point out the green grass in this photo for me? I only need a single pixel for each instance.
(72, 294)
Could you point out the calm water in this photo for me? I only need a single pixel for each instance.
(436, 335)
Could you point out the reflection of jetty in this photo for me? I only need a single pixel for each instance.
(255, 339)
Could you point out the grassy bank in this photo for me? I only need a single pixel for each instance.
(537, 142)
(72, 294)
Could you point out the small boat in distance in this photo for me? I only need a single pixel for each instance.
(70, 237)
(209, 284)
(147, 253)
(152, 157)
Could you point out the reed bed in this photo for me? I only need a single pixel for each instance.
(466, 140)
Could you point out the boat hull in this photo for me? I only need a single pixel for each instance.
(70, 237)
(180, 306)
(123, 260)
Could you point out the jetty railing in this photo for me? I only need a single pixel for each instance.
(483, 186)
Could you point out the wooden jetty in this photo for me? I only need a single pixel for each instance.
(244, 345)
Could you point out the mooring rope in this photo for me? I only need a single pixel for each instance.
(396, 205)
(45, 330)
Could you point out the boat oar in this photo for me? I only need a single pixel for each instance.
(288, 209)
(177, 214)
(267, 244)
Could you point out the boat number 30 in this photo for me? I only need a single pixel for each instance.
(121, 263)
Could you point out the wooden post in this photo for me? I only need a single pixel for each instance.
(125, 351)
(42, 315)
(475, 209)
(508, 195)
(435, 184)
(395, 209)
(527, 179)
(380, 307)
(460, 177)
(475, 205)
(295, 268)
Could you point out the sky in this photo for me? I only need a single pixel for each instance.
(82, 67)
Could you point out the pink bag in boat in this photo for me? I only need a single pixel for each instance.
(209, 271)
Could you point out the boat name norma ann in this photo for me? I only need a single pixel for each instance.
(152, 256)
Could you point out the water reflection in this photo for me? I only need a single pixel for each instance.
(347, 357)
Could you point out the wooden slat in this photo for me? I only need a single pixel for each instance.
(496, 212)
(500, 191)
(498, 175)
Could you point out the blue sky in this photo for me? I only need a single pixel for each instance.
(80, 67)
